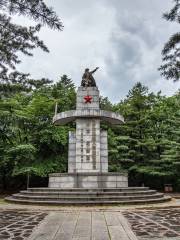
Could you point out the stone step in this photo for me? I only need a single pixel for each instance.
(90, 202)
(57, 193)
(79, 196)
(86, 198)
(125, 189)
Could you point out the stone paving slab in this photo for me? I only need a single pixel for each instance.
(83, 226)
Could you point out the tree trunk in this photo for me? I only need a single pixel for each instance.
(4, 182)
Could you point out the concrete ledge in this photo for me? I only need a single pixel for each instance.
(89, 174)
(69, 116)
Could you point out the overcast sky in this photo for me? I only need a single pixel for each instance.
(123, 37)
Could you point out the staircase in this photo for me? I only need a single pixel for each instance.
(95, 196)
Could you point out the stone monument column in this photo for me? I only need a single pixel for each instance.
(88, 145)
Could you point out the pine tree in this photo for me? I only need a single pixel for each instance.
(15, 39)
(105, 104)
(137, 104)
(162, 160)
(129, 144)
(170, 158)
(171, 51)
(64, 93)
(119, 150)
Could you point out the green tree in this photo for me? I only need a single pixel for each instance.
(15, 39)
(170, 68)
(64, 93)
(170, 157)
(137, 104)
(128, 142)
(162, 142)
(105, 104)
(29, 142)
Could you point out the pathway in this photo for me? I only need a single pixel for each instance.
(84, 226)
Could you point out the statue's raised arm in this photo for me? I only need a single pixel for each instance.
(93, 71)
(88, 79)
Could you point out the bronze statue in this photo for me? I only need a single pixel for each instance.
(88, 79)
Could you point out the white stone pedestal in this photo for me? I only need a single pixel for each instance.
(88, 180)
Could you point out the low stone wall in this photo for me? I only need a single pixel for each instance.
(88, 180)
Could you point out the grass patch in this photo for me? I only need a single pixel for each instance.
(2, 201)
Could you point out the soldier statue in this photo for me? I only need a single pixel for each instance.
(88, 79)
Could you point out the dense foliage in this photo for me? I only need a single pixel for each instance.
(28, 140)
(147, 145)
(170, 68)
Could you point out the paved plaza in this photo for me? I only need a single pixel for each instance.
(90, 224)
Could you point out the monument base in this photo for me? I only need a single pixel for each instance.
(88, 180)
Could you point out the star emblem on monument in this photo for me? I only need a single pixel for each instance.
(88, 99)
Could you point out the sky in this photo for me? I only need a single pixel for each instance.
(124, 38)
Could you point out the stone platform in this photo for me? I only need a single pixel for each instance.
(88, 196)
(88, 180)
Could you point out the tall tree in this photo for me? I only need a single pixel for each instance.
(138, 103)
(128, 145)
(170, 157)
(15, 39)
(170, 68)
(29, 142)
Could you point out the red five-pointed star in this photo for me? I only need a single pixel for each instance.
(88, 99)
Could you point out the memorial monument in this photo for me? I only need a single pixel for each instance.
(88, 148)
(88, 180)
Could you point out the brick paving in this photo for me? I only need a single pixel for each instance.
(18, 225)
(155, 224)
